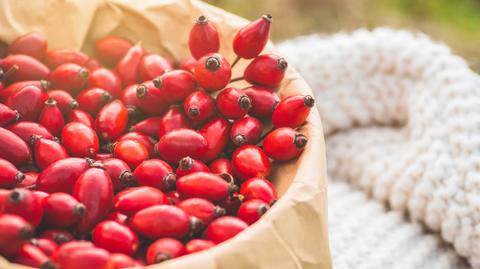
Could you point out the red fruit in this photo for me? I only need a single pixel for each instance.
(112, 120)
(17, 86)
(251, 210)
(115, 237)
(66, 250)
(134, 199)
(80, 140)
(233, 103)
(199, 106)
(264, 101)
(153, 65)
(155, 173)
(204, 185)
(30, 181)
(65, 101)
(28, 68)
(31, 44)
(28, 102)
(89, 257)
(47, 246)
(131, 152)
(203, 38)
(14, 231)
(111, 49)
(103, 156)
(151, 99)
(188, 165)
(246, 131)
(8, 115)
(266, 70)
(188, 64)
(51, 117)
(62, 210)
(120, 261)
(224, 228)
(164, 249)
(145, 140)
(196, 245)
(93, 64)
(13, 148)
(161, 221)
(30, 255)
(180, 143)
(222, 167)
(25, 130)
(231, 204)
(70, 77)
(119, 172)
(216, 133)
(46, 151)
(284, 144)
(58, 57)
(24, 203)
(173, 119)
(10, 176)
(99, 202)
(58, 236)
(176, 85)
(202, 209)
(127, 67)
(173, 197)
(129, 97)
(62, 175)
(105, 79)
(258, 188)
(118, 217)
(81, 116)
(93, 99)
(148, 126)
(252, 38)
(292, 111)
(213, 72)
(250, 161)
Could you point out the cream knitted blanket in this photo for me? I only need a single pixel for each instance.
(401, 115)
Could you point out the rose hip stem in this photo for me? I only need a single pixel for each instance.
(235, 62)
(236, 79)
(9, 72)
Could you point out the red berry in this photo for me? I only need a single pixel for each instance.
(70, 77)
(57, 57)
(65, 101)
(284, 144)
(24, 203)
(148, 126)
(199, 106)
(130, 151)
(47, 246)
(10, 176)
(14, 231)
(188, 165)
(259, 188)
(250, 161)
(93, 64)
(58, 236)
(151, 100)
(164, 249)
(62, 210)
(196, 245)
(216, 132)
(145, 140)
(129, 97)
(88, 257)
(25, 130)
(204, 185)
(93, 99)
(80, 140)
(51, 117)
(28, 102)
(8, 115)
(173, 119)
(99, 202)
(152, 66)
(173, 197)
(188, 64)
(127, 67)
(28, 68)
(203, 38)
(224, 228)
(119, 172)
(30, 181)
(180, 143)
(111, 49)
(176, 85)
(221, 166)
(115, 237)
(246, 131)
(17, 86)
(202, 209)
(134, 199)
(213, 72)
(81, 116)
(155, 173)
(61, 175)
(30, 255)
(106, 79)
(46, 151)
(232, 204)
(251, 210)
(112, 120)
(233, 103)
(13, 148)
(120, 261)
(264, 101)
(292, 111)
(251, 39)
(65, 251)
(161, 221)
(266, 70)
(31, 44)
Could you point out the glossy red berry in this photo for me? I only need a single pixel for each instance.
(258, 188)
(30, 255)
(203, 38)
(173, 119)
(24, 203)
(14, 232)
(58, 236)
(62, 175)
(164, 249)
(264, 101)
(30, 181)
(121, 261)
(29, 68)
(46, 151)
(65, 101)
(213, 72)
(10, 176)
(221, 166)
(62, 210)
(130, 151)
(161, 221)
(199, 106)
(112, 120)
(28, 102)
(47, 246)
(31, 44)
(188, 64)
(155, 173)
(93, 64)
(246, 131)
(233, 103)
(13, 148)
(250, 161)
(25, 130)
(188, 165)
(180, 143)
(115, 237)
(216, 132)
(127, 67)
(93, 99)
(130, 99)
(292, 111)
(81, 116)
(251, 39)
(202, 209)
(151, 100)
(141, 138)
(284, 144)
(132, 200)
(97, 203)
(17, 86)
(57, 57)
(148, 126)
(176, 85)
(196, 245)
(65, 251)
(119, 172)
(51, 117)
(224, 228)
(70, 77)
(89, 257)
(251, 210)
(152, 66)
(80, 140)
(266, 70)
(111, 49)
(8, 115)
(106, 79)
(204, 185)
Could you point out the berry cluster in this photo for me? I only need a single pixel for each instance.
(113, 168)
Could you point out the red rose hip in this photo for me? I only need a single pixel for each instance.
(216, 132)
(155, 173)
(119, 172)
(81, 116)
(180, 143)
(246, 131)
(233, 103)
(127, 67)
(29, 68)
(213, 72)
(9, 175)
(115, 237)
(188, 165)
(251, 210)
(8, 115)
(61, 175)
(202, 209)
(258, 188)
(199, 106)
(164, 249)
(251, 39)
(80, 140)
(176, 85)
(196, 245)
(70, 77)
(30, 255)
(267, 70)
(173, 119)
(250, 161)
(46, 152)
(31, 44)
(65, 101)
(62, 210)
(130, 151)
(152, 66)
(28, 102)
(24, 203)
(204, 185)
(161, 221)
(57, 57)
(12, 148)
(51, 117)
(14, 231)
(112, 120)
(92, 100)
(224, 228)
(111, 49)
(264, 101)
(284, 144)
(105, 79)
(292, 111)
(134, 199)
(203, 38)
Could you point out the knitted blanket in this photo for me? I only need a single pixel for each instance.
(401, 116)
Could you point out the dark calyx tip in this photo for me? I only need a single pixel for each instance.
(19, 177)
(16, 196)
(262, 209)
(127, 179)
(219, 211)
(142, 91)
(170, 180)
(60, 239)
(26, 232)
(185, 163)
(308, 101)
(79, 209)
(239, 140)
(106, 97)
(193, 111)
(300, 141)
(34, 138)
(48, 265)
(245, 102)
(232, 189)
(51, 102)
(267, 17)
(74, 104)
(227, 177)
(282, 64)
(201, 20)
(212, 63)
(157, 82)
(46, 85)
(83, 73)
(196, 225)
(161, 257)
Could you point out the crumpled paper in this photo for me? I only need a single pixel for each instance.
(293, 233)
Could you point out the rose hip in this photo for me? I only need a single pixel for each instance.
(81, 116)
(57, 57)
(61, 176)
(66, 250)
(188, 165)
(176, 85)
(130, 151)
(251, 39)
(25, 130)
(292, 111)
(264, 101)
(13, 148)
(93, 99)
(105, 79)
(119, 172)
(28, 102)
(250, 161)
(258, 188)
(199, 106)
(111, 49)
(216, 132)
(231, 204)
(202, 209)
(195, 185)
(132, 200)
(47, 246)
(58, 236)
(62, 210)
(221, 166)
(46, 151)
(148, 126)
(151, 100)
(10, 176)
(127, 67)
(155, 173)
(119, 261)
(24, 203)
(188, 64)
(115, 237)
(130, 99)
(161, 221)
(224, 228)
(93, 64)
(284, 144)
(143, 139)
(213, 72)
(29, 68)
(164, 249)
(152, 66)
(30, 181)
(203, 38)
(196, 245)
(173, 119)
(17, 86)
(180, 143)
(80, 140)
(246, 131)
(112, 120)
(30, 255)
(14, 231)
(89, 257)
(266, 70)
(251, 210)
(65, 101)
(70, 77)
(31, 44)
(233, 103)
(51, 117)
(8, 115)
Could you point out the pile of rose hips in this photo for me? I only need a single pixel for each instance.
(136, 165)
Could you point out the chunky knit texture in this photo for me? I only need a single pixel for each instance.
(401, 116)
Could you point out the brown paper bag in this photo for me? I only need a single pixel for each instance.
(293, 233)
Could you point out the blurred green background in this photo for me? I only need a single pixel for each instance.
(454, 22)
